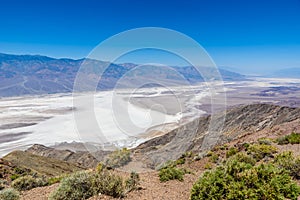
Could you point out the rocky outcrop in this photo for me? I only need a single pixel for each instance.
(82, 158)
(38, 164)
(205, 132)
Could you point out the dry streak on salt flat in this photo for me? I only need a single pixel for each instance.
(49, 119)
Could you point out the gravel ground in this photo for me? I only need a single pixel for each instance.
(41, 193)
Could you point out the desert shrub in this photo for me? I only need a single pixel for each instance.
(56, 179)
(246, 145)
(133, 182)
(238, 163)
(108, 183)
(9, 194)
(100, 167)
(220, 147)
(211, 185)
(213, 157)
(83, 185)
(14, 177)
(287, 161)
(171, 173)
(208, 166)
(232, 151)
(209, 153)
(188, 154)
(242, 157)
(3, 183)
(76, 186)
(293, 138)
(266, 141)
(282, 140)
(259, 151)
(27, 183)
(180, 161)
(243, 180)
(118, 158)
(21, 171)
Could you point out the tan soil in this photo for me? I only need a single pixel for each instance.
(151, 187)
(41, 193)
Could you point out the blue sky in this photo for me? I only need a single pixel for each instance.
(248, 36)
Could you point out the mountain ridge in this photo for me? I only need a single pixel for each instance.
(37, 74)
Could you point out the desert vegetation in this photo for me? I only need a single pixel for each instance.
(9, 194)
(118, 158)
(258, 171)
(286, 160)
(28, 182)
(173, 170)
(260, 151)
(85, 184)
(293, 138)
(241, 178)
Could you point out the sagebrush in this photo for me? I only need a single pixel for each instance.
(240, 178)
(9, 194)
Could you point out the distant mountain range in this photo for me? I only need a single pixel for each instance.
(35, 74)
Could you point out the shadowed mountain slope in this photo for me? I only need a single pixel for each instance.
(238, 122)
(34, 74)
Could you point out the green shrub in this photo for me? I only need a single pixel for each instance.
(232, 151)
(293, 138)
(266, 141)
(221, 147)
(242, 157)
(118, 158)
(100, 167)
(133, 182)
(171, 173)
(213, 157)
(108, 184)
(282, 140)
(211, 185)
(287, 161)
(246, 145)
(259, 151)
(53, 180)
(83, 185)
(77, 186)
(20, 171)
(239, 178)
(208, 166)
(180, 161)
(27, 183)
(14, 177)
(3, 183)
(238, 163)
(9, 194)
(209, 153)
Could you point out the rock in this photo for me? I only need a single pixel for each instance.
(204, 133)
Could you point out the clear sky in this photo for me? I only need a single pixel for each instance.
(251, 36)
